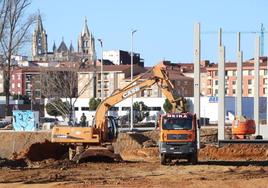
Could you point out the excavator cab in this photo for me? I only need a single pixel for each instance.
(112, 128)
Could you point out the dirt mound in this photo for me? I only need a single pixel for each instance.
(231, 152)
(141, 154)
(42, 151)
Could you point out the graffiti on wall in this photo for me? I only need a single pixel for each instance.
(24, 120)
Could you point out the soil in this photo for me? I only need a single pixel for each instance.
(45, 165)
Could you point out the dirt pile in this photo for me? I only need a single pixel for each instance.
(41, 151)
(231, 152)
(16, 142)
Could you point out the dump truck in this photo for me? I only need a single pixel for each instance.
(98, 139)
(178, 137)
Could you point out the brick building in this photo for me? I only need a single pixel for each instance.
(230, 77)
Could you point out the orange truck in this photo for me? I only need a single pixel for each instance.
(178, 137)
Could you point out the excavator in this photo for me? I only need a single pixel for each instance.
(97, 140)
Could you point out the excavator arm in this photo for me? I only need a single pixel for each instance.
(159, 77)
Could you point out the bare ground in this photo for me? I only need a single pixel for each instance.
(231, 166)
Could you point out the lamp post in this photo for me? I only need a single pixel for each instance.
(131, 108)
(101, 85)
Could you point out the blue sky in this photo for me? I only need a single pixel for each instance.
(165, 28)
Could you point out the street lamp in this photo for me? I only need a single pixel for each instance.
(131, 108)
(101, 94)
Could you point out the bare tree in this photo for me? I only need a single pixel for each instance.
(15, 29)
(62, 83)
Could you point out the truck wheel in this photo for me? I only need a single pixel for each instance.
(193, 159)
(163, 159)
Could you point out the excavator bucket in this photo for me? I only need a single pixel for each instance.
(97, 153)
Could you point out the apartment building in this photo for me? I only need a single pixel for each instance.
(89, 79)
(118, 76)
(231, 79)
(25, 81)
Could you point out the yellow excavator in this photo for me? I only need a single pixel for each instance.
(97, 139)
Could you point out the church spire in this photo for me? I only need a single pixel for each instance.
(85, 29)
(54, 47)
(39, 26)
(71, 48)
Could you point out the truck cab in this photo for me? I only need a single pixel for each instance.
(178, 137)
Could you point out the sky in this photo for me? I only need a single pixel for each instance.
(165, 29)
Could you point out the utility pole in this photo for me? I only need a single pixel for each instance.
(101, 72)
(131, 108)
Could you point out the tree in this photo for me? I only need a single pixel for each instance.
(14, 30)
(167, 106)
(141, 111)
(57, 107)
(181, 105)
(62, 83)
(94, 103)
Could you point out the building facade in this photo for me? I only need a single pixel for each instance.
(26, 81)
(118, 76)
(231, 79)
(120, 57)
(89, 80)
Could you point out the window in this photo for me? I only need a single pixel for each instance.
(125, 108)
(216, 91)
(13, 77)
(226, 73)
(234, 73)
(13, 85)
(114, 108)
(265, 71)
(265, 80)
(76, 108)
(250, 72)
(226, 91)
(216, 82)
(233, 82)
(249, 82)
(216, 73)
(85, 108)
(249, 91)
(154, 108)
(264, 90)
(234, 91)
(19, 85)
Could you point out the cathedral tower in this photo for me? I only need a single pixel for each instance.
(39, 43)
(86, 43)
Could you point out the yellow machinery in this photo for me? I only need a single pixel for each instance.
(88, 141)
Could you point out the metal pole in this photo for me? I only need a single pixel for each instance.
(256, 83)
(101, 72)
(197, 58)
(131, 59)
(221, 76)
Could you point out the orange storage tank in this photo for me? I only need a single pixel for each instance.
(242, 127)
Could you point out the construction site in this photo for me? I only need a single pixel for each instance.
(178, 151)
(40, 163)
(71, 120)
